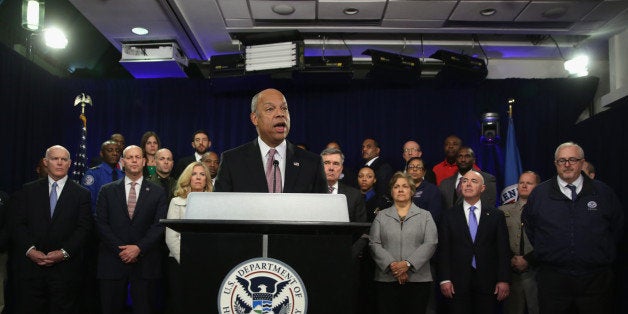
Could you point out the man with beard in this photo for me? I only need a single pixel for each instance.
(450, 187)
(270, 163)
(201, 143)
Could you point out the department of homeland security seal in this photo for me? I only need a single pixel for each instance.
(262, 286)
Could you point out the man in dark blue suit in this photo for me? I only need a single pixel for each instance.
(127, 219)
(293, 170)
(53, 222)
(474, 254)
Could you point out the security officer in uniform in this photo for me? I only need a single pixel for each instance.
(104, 173)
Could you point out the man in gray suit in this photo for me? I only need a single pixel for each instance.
(449, 186)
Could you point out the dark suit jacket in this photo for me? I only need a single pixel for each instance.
(355, 203)
(68, 229)
(241, 170)
(181, 164)
(447, 188)
(115, 228)
(456, 250)
(383, 173)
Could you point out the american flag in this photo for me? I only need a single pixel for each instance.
(80, 161)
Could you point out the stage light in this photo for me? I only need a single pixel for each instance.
(393, 66)
(271, 51)
(490, 128)
(459, 67)
(33, 14)
(55, 38)
(578, 66)
(273, 56)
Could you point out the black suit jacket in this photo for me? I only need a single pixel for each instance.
(241, 170)
(447, 188)
(115, 228)
(456, 250)
(68, 228)
(383, 173)
(181, 164)
(355, 203)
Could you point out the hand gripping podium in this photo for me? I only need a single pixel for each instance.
(270, 253)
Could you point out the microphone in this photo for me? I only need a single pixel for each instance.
(275, 164)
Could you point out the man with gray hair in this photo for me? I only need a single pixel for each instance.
(333, 159)
(270, 163)
(52, 225)
(574, 224)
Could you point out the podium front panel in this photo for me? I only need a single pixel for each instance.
(323, 261)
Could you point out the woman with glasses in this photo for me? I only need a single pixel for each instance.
(427, 195)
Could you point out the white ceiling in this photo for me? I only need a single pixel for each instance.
(518, 29)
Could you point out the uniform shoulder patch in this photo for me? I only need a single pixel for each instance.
(88, 180)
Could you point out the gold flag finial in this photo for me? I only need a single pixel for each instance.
(510, 102)
(83, 100)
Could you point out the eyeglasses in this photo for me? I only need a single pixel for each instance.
(571, 161)
(409, 150)
(416, 168)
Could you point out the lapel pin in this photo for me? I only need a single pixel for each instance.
(296, 164)
(147, 189)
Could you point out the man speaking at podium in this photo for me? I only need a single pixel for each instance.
(270, 163)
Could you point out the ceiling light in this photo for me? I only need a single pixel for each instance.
(139, 31)
(33, 14)
(488, 12)
(578, 66)
(350, 11)
(55, 38)
(555, 13)
(283, 9)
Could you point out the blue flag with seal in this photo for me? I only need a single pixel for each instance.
(512, 166)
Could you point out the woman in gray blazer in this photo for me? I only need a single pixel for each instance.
(403, 238)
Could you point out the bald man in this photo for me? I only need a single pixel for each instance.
(291, 169)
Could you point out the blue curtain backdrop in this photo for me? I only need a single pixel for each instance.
(39, 112)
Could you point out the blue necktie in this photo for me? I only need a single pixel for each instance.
(473, 228)
(53, 198)
(573, 191)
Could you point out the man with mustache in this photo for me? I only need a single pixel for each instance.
(270, 163)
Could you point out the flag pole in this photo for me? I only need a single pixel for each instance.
(80, 161)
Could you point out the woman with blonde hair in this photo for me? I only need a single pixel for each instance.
(195, 178)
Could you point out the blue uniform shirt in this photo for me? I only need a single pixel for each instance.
(96, 177)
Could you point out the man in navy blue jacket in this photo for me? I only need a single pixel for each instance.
(574, 224)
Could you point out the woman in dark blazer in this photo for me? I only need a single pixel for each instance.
(403, 238)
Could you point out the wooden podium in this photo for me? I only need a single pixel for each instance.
(320, 252)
